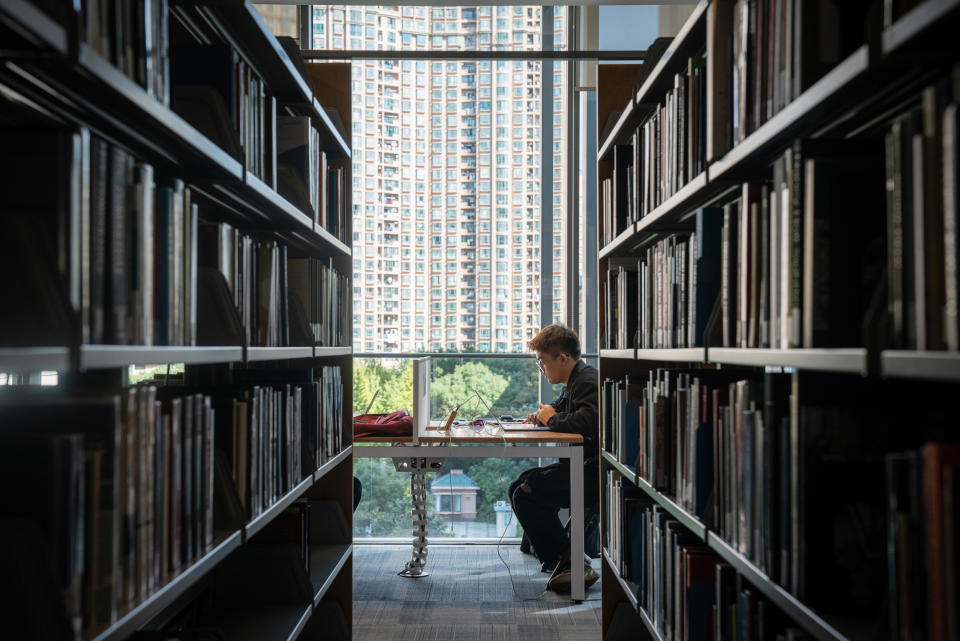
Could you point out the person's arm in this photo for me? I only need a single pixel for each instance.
(558, 405)
(585, 419)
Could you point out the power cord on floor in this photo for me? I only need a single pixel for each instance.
(506, 526)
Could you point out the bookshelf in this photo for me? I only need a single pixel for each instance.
(710, 415)
(198, 485)
(34, 26)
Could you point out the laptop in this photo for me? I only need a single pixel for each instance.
(510, 424)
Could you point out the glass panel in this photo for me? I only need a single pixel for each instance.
(281, 19)
(449, 190)
(415, 28)
(468, 498)
(627, 27)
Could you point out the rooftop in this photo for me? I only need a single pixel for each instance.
(455, 478)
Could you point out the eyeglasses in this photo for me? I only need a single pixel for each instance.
(540, 363)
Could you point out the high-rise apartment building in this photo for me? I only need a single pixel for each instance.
(447, 181)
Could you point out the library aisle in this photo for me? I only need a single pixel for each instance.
(467, 597)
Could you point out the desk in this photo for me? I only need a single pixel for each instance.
(500, 445)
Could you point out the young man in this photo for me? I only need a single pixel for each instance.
(539, 493)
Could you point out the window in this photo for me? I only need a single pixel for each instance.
(444, 293)
(449, 503)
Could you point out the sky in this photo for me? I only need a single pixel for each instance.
(625, 27)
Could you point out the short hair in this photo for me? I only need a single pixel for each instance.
(555, 339)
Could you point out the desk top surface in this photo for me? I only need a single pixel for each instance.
(469, 435)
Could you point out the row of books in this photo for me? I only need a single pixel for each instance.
(764, 53)
(922, 217)
(122, 240)
(134, 37)
(253, 110)
(665, 152)
(325, 299)
(215, 89)
(923, 555)
(685, 588)
(333, 204)
(120, 497)
(793, 262)
(135, 488)
(767, 473)
(269, 424)
(280, 300)
(280, 433)
(307, 177)
(656, 301)
(128, 260)
(218, 92)
(329, 442)
(801, 257)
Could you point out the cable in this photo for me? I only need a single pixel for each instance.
(513, 586)
(418, 496)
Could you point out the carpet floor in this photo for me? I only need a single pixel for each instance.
(467, 597)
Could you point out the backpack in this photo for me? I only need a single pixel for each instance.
(398, 423)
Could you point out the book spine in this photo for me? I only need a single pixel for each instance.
(951, 171)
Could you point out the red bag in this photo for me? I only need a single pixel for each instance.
(398, 423)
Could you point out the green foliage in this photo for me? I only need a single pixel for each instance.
(494, 477)
(508, 385)
(395, 384)
(522, 393)
(148, 372)
(449, 390)
(385, 508)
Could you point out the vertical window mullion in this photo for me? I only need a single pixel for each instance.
(546, 182)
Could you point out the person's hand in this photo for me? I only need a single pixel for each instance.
(531, 418)
(544, 413)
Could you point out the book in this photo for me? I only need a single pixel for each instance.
(298, 158)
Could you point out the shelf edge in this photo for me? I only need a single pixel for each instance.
(688, 520)
(261, 520)
(832, 83)
(780, 597)
(322, 471)
(165, 596)
(334, 573)
(845, 360)
(679, 41)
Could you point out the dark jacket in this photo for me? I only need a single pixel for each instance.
(578, 410)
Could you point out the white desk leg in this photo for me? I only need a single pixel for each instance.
(577, 591)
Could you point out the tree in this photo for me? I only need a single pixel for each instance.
(385, 506)
(395, 384)
(523, 391)
(494, 477)
(451, 390)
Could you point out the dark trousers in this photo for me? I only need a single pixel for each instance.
(537, 509)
